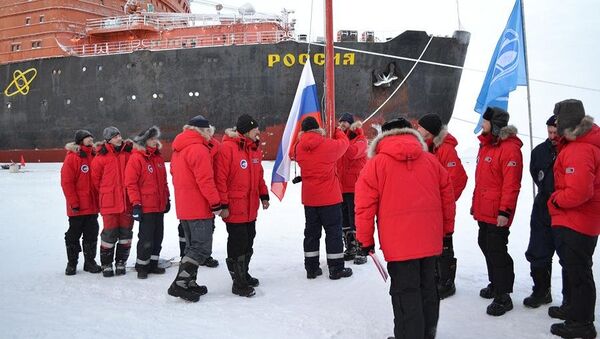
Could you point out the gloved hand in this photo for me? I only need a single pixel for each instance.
(137, 213)
(364, 251)
(75, 209)
(168, 208)
(224, 213)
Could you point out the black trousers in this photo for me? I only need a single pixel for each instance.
(329, 218)
(240, 238)
(348, 225)
(575, 251)
(414, 298)
(542, 241)
(150, 237)
(86, 225)
(493, 241)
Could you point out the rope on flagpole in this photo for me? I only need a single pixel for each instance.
(403, 80)
(310, 27)
(555, 83)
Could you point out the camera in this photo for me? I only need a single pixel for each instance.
(296, 180)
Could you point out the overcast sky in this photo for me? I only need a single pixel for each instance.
(562, 37)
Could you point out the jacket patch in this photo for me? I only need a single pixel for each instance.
(244, 164)
(255, 161)
(570, 170)
(488, 159)
(541, 176)
(451, 164)
(512, 164)
(85, 168)
(150, 169)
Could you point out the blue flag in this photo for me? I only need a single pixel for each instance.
(507, 67)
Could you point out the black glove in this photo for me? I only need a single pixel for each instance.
(364, 251)
(75, 209)
(168, 208)
(137, 213)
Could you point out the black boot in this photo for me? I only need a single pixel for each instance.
(107, 271)
(182, 286)
(210, 262)
(313, 274)
(487, 292)
(447, 273)
(541, 288)
(500, 305)
(106, 259)
(239, 269)
(89, 254)
(154, 268)
(336, 274)
(558, 312)
(72, 258)
(120, 267)
(251, 280)
(142, 271)
(350, 243)
(571, 329)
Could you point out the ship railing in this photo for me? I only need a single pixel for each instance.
(166, 21)
(194, 41)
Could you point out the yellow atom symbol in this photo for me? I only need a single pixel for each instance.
(20, 83)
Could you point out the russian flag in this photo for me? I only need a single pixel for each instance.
(306, 103)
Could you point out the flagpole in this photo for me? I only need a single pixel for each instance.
(528, 83)
(329, 74)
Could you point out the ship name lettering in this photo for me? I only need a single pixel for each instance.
(289, 59)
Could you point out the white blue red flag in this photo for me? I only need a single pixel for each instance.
(306, 103)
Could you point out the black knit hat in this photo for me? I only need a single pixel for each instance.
(309, 123)
(497, 117)
(551, 121)
(110, 132)
(569, 114)
(82, 134)
(347, 117)
(152, 132)
(199, 121)
(245, 124)
(399, 122)
(432, 123)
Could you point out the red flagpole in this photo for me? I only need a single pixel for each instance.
(329, 69)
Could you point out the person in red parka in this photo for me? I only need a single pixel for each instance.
(108, 174)
(82, 203)
(148, 191)
(317, 156)
(497, 185)
(411, 195)
(197, 201)
(443, 145)
(239, 178)
(348, 168)
(575, 211)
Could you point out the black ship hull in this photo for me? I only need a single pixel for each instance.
(41, 109)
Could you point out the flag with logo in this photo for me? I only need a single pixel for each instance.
(306, 103)
(507, 67)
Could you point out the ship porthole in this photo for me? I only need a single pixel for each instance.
(160, 95)
(8, 105)
(68, 101)
(101, 99)
(197, 94)
(155, 95)
(191, 94)
(133, 97)
(99, 67)
(83, 69)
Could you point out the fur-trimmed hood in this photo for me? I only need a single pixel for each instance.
(580, 130)
(409, 145)
(142, 149)
(102, 149)
(232, 135)
(506, 134)
(439, 139)
(75, 148)
(507, 131)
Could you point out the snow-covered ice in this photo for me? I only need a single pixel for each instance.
(38, 300)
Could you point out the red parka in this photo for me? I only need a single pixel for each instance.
(239, 177)
(443, 146)
(76, 180)
(575, 202)
(317, 157)
(497, 176)
(196, 195)
(409, 192)
(354, 159)
(108, 175)
(146, 179)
